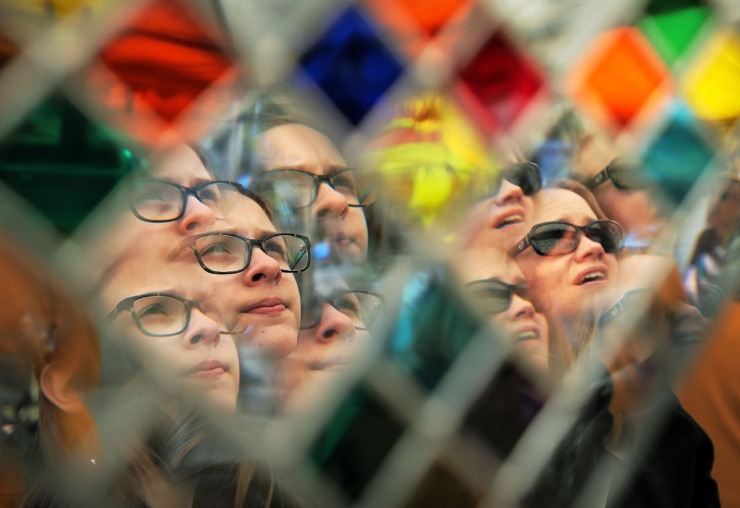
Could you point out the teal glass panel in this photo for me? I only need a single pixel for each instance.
(677, 156)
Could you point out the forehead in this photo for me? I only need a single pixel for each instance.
(562, 204)
(478, 264)
(182, 166)
(248, 218)
(141, 271)
(300, 147)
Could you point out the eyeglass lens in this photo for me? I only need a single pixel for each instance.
(363, 308)
(551, 239)
(160, 201)
(493, 296)
(160, 315)
(225, 253)
(526, 176)
(299, 189)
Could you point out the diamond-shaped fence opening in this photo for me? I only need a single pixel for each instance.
(351, 64)
(373, 322)
(499, 83)
(620, 78)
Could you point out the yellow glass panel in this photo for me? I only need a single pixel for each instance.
(711, 85)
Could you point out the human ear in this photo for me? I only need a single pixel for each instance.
(56, 384)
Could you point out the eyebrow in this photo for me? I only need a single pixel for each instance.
(304, 169)
(261, 232)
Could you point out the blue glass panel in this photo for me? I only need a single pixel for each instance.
(351, 64)
(677, 157)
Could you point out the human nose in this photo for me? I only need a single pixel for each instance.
(588, 248)
(195, 216)
(261, 268)
(202, 329)
(330, 202)
(333, 326)
(520, 308)
(508, 193)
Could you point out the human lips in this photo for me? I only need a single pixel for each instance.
(592, 276)
(508, 217)
(265, 306)
(209, 369)
(526, 333)
(332, 363)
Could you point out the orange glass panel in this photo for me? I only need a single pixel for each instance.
(416, 22)
(620, 78)
(156, 68)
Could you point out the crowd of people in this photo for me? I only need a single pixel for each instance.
(231, 284)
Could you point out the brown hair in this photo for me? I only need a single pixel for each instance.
(580, 189)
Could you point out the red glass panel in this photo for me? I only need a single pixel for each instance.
(498, 84)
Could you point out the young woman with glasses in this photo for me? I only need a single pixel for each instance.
(338, 318)
(301, 173)
(183, 295)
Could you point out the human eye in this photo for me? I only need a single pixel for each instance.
(209, 193)
(275, 248)
(154, 310)
(345, 181)
(216, 247)
(349, 305)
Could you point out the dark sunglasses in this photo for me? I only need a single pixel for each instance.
(494, 296)
(558, 237)
(525, 175)
(622, 176)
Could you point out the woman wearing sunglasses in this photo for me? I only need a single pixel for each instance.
(569, 255)
(498, 288)
(622, 191)
(505, 214)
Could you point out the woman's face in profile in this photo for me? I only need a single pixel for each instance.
(499, 221)
(520, 322)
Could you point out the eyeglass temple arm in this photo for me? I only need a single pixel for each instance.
(520, 247)
(597, 180)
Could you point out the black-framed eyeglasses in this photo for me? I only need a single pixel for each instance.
(525, 175)
(634, 302)
(623, 177)
(559, 237)
(362, 307)
(299, 189)
(225, 253)
(493, 296)
(162, 314)
(163, 201)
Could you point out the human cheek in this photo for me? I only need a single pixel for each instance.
(357, 227)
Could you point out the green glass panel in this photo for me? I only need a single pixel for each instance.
(673, 33)
(61, 163)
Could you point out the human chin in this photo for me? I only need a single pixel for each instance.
(273, 339)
